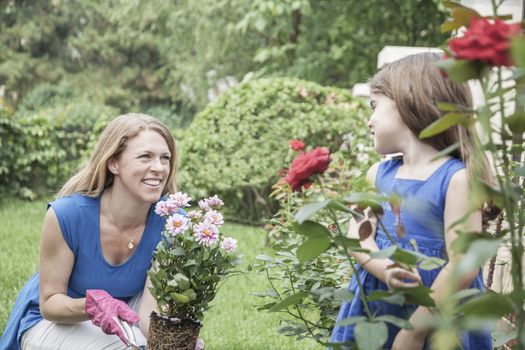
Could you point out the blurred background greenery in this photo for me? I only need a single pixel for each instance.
(68, 66)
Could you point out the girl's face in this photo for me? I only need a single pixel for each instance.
(388, 129)
(143, 168)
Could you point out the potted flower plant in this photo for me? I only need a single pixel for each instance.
(189, 263)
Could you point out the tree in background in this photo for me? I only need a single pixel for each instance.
(81, 59)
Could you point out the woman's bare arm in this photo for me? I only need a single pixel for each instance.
(56, 264)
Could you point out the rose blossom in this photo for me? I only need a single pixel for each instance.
(296, 145)
(206, 233)
(214, 217)
(177, 224)
(307, 164)
(486, 41)
(229, 244)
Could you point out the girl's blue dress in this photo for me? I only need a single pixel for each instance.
(422, 214)
(79, 220)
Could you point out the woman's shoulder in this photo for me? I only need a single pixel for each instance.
(73, 203)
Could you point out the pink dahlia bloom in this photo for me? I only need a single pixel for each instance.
(179, 200)
(214, 217)
(177, 224)
(229, 244)
(162, 208)
(206, 233)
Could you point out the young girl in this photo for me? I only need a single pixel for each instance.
(435, 195)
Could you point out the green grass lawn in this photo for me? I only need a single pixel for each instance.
(232, 324)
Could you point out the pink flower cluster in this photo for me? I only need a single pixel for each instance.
(202, 224)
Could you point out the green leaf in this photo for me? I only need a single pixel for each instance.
(450, 25)
(364, 199)
(443, 123)
(419, 295)
(340, 206)
(518, 51)
(516, 122)
(384, 253)
(371, 335)
(488, 305)
(431, 263)
(520, 171)
(309, 209)
(464, 15)
(180, 298)
(350, 243)
(312, 248)
(350, 320)
(289, 301)
(446, 151)
(396, 321)
(465, 293)
(452, 107)
(311, 229)
(460, 71)
(388, 296)
(478, 252)
(501, 338)
(455, 6)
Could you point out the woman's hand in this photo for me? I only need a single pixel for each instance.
(409, 339)
(398, 277)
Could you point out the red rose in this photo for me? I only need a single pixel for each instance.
(307, 164)
(486, 41)
(297, 145)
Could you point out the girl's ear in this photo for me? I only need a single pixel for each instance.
(113, 165)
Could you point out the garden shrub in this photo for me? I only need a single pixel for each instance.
(320, 285)
(38, 153)
(237, 146)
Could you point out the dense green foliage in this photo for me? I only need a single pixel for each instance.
(312, 291)
(238, 145)
(38, 153)
(82, 58)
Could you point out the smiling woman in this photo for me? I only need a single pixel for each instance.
(97, 242)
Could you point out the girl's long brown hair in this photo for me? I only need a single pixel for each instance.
(94, 176)
(416, 85)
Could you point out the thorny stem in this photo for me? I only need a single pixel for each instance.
(350, 259)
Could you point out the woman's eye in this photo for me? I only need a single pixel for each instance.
(144, 156)
(166, 157)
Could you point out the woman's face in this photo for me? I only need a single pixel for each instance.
(388, 129)
(143, 168)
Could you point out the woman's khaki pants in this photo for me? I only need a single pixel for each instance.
(46, 335)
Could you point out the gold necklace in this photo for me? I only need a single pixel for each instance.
(131, 243)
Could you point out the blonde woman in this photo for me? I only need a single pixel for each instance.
(97, 242)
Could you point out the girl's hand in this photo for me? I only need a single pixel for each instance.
(398, 277)
(409, 339)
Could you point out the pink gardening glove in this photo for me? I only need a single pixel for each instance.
(102, 307)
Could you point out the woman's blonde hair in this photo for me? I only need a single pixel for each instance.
(416, 85)
(94, 177)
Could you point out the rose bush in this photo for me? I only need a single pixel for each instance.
(306, 165)
(486, 41)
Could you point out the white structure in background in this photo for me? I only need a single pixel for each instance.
(218, 86)
(484, 8)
